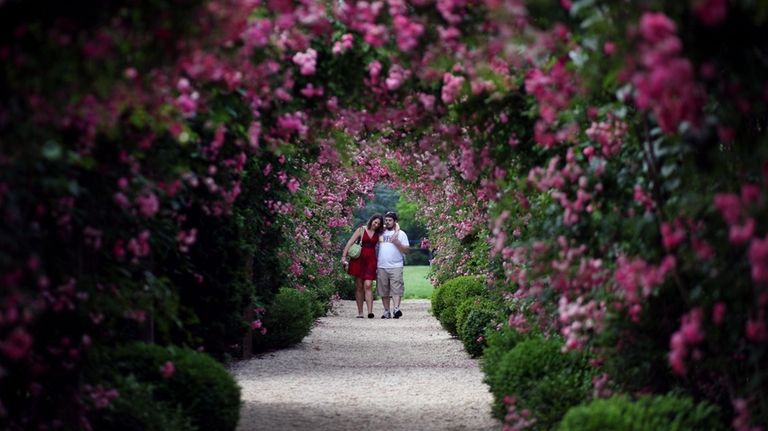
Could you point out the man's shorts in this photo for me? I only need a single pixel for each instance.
(389, 281)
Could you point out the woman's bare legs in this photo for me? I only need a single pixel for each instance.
(368, 296)
(359, 295)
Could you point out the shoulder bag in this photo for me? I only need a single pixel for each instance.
(355, 249)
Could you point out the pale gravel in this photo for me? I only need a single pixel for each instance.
(372, 374)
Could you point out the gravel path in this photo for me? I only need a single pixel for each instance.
(354, 374)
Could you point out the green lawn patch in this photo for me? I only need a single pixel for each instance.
(416, 283)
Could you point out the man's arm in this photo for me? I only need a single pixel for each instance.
(401, 242)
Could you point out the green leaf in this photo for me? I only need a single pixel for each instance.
(52, 150)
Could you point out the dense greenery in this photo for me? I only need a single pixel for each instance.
(474, 317)
(541, 379)
(288, 320)
(647, 413)
(449, 295)
(168, 386)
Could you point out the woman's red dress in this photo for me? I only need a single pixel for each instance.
(365, 265)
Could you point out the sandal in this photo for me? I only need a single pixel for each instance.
(360, 316)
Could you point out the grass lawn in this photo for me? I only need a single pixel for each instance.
(416, 283)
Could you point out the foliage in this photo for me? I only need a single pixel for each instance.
(384, 199)
(665, 412)
(174, 378)
(137, 408)
(542, 379)
(417, 257)
(288, 319)
(346, 288)
(499, 341)
(473, 316)
(448, 296)
(408, 217)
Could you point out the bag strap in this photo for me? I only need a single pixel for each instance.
(359, 239)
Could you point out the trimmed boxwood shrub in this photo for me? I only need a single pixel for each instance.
(138, 409)
(288, 319)
(498, 343)
(542, 378)
(201, 387)
(652, 413)
(450, 294)
(473, 315)
(321, 291)
(438, 301)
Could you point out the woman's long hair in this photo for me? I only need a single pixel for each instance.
(381, 222)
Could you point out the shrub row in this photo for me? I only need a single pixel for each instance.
(197, 393)
(555, 389)
(466, 308)
(536, 384)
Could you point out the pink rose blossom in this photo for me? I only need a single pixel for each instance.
(121, 200)
(740, 234)
(718, 313)
(374, 71)
(148, 204)
(729, 206)
(257, 34)
(710, 12)
(17, 344)
(343, 45)
(756, 331)
(451, 87)
(689, 335)
(168, 369)
(609, 48)
(397, 75)
(758, 259)
(407, 32)
(750, 194)
(672, 236)
(101, 396)
(293, 185)
(307, 61)
(130, 73)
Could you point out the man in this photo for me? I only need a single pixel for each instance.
(393, 244)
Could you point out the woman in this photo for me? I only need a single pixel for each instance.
(364, 267)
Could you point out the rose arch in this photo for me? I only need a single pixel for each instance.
(168, 165)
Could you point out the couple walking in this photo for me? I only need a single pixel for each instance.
(383, 248)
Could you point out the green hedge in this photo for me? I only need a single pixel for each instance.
(542, 378)
(473, 315)
(417, 257)
(321, 292)
(138, 409)
(288, 319)
(652, 413)
(448, 296)
(498, 343)
(200, 388)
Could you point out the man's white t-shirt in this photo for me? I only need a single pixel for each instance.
(389, 255)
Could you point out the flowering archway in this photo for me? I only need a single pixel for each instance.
(602, 164)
